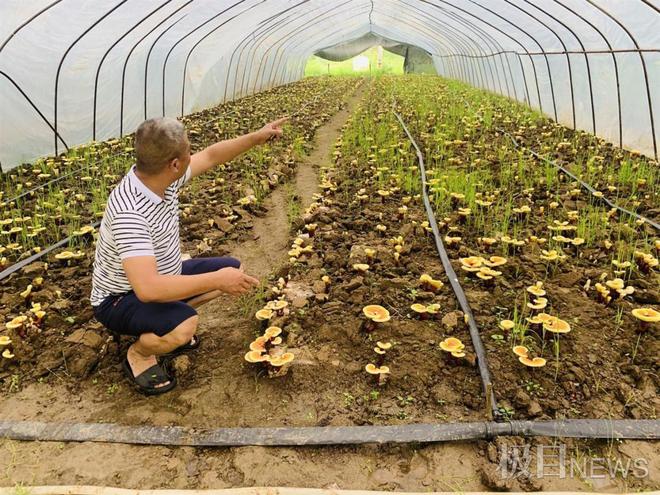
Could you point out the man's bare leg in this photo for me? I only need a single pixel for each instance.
(197, 301)
(142, 353)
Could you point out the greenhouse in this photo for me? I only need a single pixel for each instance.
(352, 247)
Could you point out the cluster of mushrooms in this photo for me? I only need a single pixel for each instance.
(375, 316)
(483, 268)
(268, 351)
(538, 321)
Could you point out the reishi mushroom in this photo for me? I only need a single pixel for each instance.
(379, 373)
(375, 314)
(646, 317)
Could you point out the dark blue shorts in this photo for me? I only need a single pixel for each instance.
(125, 314)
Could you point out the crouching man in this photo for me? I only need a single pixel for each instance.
(140, 286)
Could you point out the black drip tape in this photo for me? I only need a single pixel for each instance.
(23, 263)
(583, 184)
(479, 350)
(622, 429)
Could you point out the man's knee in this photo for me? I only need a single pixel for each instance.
(183, 332)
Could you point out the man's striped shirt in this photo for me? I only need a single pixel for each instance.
(136, 222)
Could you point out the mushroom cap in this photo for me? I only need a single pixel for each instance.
(5, 340)
(425, 278)
(361, 267)
(384, 345)
(494, 261)
(520, 351)
(537, 362)
(489, 272)
(616, 283)
(418, 308)
(472, 261)
(272, 332)
(507, 324)
(452, 344)
(378, 350)
(285, 358)
(556, 325)
(64, 255)
(16, 322)
(259, 344)
(277, 305)
(7, 354)
(264, 314)
(648, 315)
(458, 354)
(373, 370)
(536, 289)
(539, 303)
(256, 357)
(376, 313)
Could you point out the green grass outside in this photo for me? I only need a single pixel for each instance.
(392, 64)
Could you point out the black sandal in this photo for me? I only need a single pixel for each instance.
(189, 346)
(147, 382)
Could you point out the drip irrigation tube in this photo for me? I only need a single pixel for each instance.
(583, 184)
(69, 174)
(479, 350)
(623, 429)
(19, 265)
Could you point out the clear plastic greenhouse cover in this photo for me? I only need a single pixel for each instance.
(77, 70)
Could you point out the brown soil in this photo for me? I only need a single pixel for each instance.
(215, 386)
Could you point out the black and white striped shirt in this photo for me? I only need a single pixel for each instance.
(136, 222)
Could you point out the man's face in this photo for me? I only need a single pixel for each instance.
(181, 164)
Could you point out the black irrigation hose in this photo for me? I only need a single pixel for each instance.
(580, 181)
(479, 350)
(23, 263)
(620, 429)
(69, 174)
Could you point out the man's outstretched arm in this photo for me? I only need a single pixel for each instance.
(225, 151)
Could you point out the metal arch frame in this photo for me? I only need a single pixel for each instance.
(126, 60)
(272, 30)
(199, 26)
(59, 67)
(479, 49)
(586, 60)
(455, 42)
(2, 47)
(484, 36)
(464, 45)
(185, 65)
(243, 43)
(616, 69)
(547, 63)
(522, 68)
(306, 49)
(464, 68)
(288, 37)
(371, 26)
(36, 109)
(321, 40)
(487, 37)
(26, 22)
(283, 41)
(646, 76)
(117, 41)
(568, 58)
(146, 63)
(451, 40)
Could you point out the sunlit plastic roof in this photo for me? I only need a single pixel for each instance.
(77, 70)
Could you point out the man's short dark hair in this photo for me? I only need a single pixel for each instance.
(157, 142)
